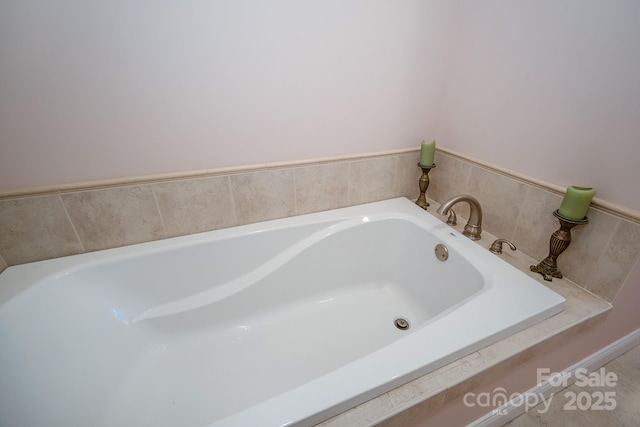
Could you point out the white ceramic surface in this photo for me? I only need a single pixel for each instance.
(285, 322)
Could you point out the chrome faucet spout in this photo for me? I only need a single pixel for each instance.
(473, 228)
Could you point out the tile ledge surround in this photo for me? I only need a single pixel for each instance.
(200, 173)
(424, 395)
(433, 390)
(604, 205)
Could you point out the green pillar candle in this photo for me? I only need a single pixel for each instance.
(576, 202)
(426, 153)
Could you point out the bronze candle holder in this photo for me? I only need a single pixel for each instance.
(424, 184)
(559, 242)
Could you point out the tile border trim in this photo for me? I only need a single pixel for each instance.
(610, 207)
(613, 208)
(199, 173)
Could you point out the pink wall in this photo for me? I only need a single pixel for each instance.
(93, 90)
(548, 89)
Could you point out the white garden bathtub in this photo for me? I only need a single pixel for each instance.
(285, 322)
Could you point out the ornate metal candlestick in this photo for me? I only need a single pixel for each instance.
(424, 184)
(560, 240)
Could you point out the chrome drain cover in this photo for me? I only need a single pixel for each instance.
(401, 323)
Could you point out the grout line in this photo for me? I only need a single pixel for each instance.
(73, 226)
(155, 200)
(295, 194)
(396, 166)
(349, 183)
(233, 201)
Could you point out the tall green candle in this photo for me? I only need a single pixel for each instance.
(576, 202)
(426, 153)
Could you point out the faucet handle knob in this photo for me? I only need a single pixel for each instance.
(496, 246)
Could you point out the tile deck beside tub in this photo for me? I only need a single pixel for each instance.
(404, 404)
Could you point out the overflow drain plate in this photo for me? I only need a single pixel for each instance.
(402, 324)
(442, 253)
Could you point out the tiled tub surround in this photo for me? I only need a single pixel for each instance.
(601, 253)
(66, 221)
(81, 219)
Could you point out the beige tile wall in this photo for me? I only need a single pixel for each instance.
(47, 226)
(53, 225)
(34, 228)
(601, 253)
